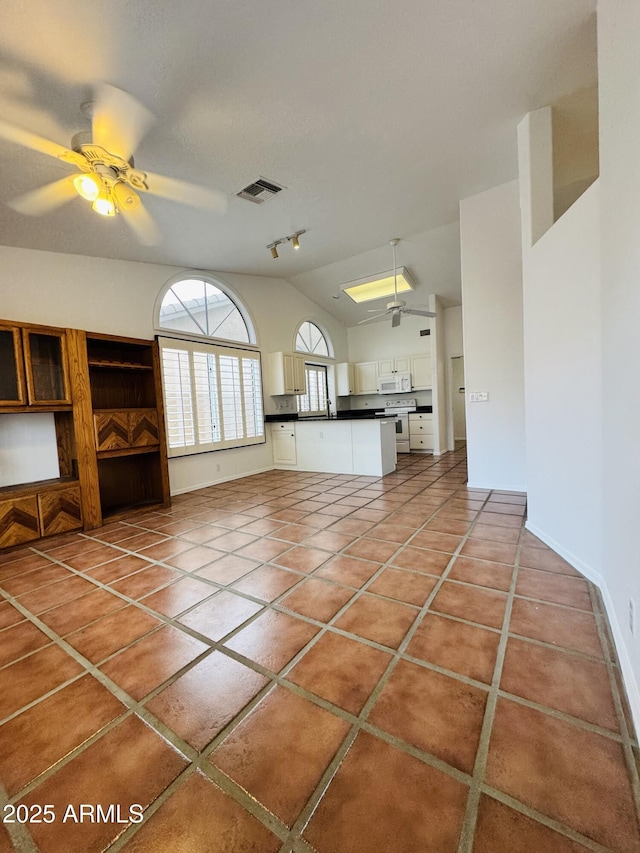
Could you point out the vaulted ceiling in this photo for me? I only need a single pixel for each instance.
(377, 116)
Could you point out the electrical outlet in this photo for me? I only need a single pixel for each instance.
(632, 617)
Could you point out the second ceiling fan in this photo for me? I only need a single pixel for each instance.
(398, 307)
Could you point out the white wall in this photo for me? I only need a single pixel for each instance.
(563, 352)
(493, 337)
(28, 448)
(118, 297)
(374, 341)
(453, 345)
(618, 28)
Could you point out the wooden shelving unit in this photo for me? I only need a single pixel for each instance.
(105, 395)
(128, 424)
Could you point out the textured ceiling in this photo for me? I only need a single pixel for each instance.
(377, 115)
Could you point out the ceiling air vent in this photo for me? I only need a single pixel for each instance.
(260, 190)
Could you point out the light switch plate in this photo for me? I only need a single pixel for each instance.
(478, 396)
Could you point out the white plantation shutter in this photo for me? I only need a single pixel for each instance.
(177, 398)
(314, 402)
(213, 396)
(252, 385)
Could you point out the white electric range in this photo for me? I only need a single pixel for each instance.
(401, 409)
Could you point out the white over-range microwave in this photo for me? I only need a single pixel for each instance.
(394, 383)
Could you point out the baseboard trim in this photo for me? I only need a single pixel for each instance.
(628, 676)
(496, 487)
(221, 480)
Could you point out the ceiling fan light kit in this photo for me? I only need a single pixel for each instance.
(396, 308)
(107, 177)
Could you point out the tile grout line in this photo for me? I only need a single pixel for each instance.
(632, 767)
(287, 667)
(467, 832)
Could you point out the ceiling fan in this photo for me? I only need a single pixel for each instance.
(106, 174)
(396, 308)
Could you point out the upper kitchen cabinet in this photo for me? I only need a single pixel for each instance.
(366, 377)
(33, 367)
(420, 368)
(287, 374)
(394, 365)
(345, 379)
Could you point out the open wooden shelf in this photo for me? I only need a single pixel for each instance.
(118, 365)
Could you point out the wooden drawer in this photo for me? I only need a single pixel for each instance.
(421, 442)
(122, 430)
(143, 428)
(60, 511)
(112, 430)
(18, 521)
(420, 416)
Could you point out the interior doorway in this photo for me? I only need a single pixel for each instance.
(458, 409)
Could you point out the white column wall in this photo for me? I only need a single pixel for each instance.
(563, 352)
(618, 28)
(493, 337)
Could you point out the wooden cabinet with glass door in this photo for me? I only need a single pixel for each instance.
(33, 367)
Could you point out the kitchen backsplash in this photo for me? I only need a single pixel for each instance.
(377, 401)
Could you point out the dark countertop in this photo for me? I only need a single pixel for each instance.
(370, 416)
(343, 414)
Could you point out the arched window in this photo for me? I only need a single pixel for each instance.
(311, 340)
(212, 388)
(195, 306)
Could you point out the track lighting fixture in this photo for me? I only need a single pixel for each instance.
(292, 238)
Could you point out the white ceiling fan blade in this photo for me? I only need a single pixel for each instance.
(119, 121)
(375, 311)
(369, 319)
(420, 312)
(185, 193)
(16, 134)
(395, 319)
(142, 224)
(46, 198)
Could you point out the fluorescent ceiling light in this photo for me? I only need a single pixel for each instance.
(378, 286)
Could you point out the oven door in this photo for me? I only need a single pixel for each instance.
(402, 427)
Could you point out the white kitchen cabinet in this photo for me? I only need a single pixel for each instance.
(286, 374)
(401, 364)
(420, 367)
(366, 377)
(283, 441)
(421, 431)
(345, 379)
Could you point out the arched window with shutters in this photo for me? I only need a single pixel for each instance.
(212, 379)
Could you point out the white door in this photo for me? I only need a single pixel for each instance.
(457, 395)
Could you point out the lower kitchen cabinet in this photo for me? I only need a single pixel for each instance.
(421, 431)
(283, 440)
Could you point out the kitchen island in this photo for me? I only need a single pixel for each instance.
(364, 446)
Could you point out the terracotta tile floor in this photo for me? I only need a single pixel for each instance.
(300, 662)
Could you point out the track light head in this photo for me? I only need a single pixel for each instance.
(274, 250)
(295, 242)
